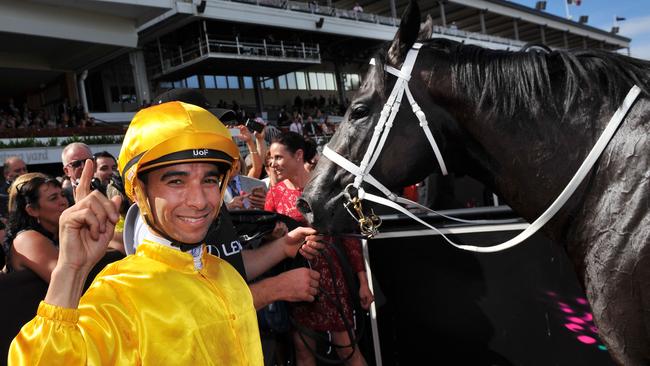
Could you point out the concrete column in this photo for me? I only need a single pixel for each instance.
(340, 86)
(82, 90)
(584, 42)
(566, 39)
(393, 8)
(515, 25)
(201, 82)
(481, 16)
(443, 16)
(259, 99)
(542, 32)
(136, 58)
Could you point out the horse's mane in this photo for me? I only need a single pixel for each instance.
(503, 82)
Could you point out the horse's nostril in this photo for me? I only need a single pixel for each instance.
(303, 206)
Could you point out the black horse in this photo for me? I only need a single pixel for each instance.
(521, 123)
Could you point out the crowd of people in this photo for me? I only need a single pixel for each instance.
(64, 116)
(192, 276)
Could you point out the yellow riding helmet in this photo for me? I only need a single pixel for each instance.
(173, 133)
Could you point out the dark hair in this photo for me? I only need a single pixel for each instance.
(104, 154)
(294, 141)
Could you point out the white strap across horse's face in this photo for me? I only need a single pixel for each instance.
(382, 129)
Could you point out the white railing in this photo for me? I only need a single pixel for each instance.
(174, 56)
(308, 7)
(476, 36)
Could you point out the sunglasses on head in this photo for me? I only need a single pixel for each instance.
(36, 182)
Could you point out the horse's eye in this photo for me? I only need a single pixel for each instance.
(359, 111)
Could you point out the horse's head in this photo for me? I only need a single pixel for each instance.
(402, 161)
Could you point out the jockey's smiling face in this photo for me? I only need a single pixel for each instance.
(184, 199)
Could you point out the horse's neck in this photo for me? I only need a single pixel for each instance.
(528, 162)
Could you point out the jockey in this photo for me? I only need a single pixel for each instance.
(171, 303)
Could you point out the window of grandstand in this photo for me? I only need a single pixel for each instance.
(321, 81)
(209, 82)
(282, 82)
(248, 82)
(220, 82)
(302, 80)
(233, 82)
(192, 82)
(351, 81)
(268, 83)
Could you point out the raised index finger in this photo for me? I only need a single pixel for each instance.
(83, 189)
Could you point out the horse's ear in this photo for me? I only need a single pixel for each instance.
(407, 34)
(426, 29)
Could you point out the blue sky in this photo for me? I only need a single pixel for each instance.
(601, 15)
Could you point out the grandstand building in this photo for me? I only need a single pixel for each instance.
(108, 58)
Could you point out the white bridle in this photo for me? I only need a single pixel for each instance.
(380, 133)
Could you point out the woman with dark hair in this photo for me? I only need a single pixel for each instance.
(36, 202)
(292, 157)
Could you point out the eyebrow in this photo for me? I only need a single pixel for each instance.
(173, 173)
(176, 173)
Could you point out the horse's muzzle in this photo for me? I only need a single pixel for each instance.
(305, 208)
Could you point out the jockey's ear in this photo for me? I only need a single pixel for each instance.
(407, 34)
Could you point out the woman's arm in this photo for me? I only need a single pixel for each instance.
(33, 250)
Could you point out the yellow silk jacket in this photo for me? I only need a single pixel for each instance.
(151, 308)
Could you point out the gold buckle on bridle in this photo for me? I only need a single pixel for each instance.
(368, 225)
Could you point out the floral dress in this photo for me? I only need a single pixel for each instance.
(321, 314)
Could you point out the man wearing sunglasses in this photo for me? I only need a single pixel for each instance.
(73, 157)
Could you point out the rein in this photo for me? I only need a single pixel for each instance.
(354, 193)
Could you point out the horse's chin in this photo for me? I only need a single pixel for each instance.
(330, 218)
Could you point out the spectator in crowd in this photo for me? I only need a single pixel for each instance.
(290, 153)
(12, 168)
(235, 196)
(105, 167)
(296, 125)
(357, 8)
(73, 158)
(283, 117)
(65, 113)
(35, 206)
(311, 127)
(170, 299)
(270, 133)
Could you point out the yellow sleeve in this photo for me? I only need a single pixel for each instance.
(51, 335)
(100, 332)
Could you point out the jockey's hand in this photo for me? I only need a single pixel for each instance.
(300, 284)
(85, 229)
